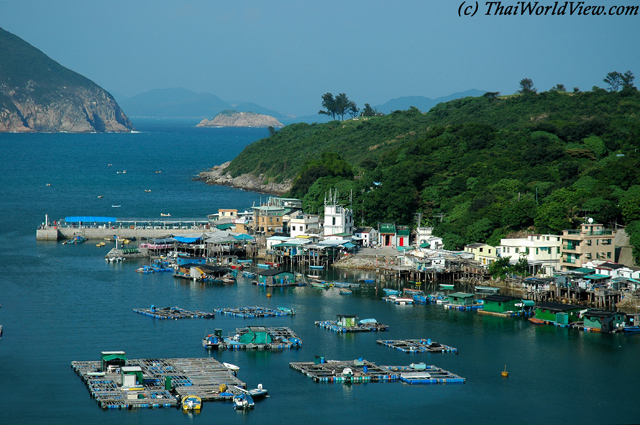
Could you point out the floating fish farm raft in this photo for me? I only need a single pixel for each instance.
(417, 346)
(157, 383)
(254, 338)
(362, 371)
(335, 326)
(463, 307)
(255, 311)
(174, 313)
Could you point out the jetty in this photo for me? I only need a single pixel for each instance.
(363, 371)
(116, 382)
(255, 311)
(422, 345)
(174, 313)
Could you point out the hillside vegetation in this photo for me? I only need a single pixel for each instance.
(475, 168)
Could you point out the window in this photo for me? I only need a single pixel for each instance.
(537, 251)
(334, 221)
(608, 254)
(480, 249)
(293, 228)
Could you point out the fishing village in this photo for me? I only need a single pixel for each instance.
(569, 280)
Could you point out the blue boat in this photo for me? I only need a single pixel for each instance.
(389, 291)
(316, 267)
(243, 401)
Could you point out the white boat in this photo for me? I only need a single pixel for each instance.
(231, 367)
(258, 392)
(243, 401)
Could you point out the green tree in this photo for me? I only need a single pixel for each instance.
(499, 268)
(329, 105)
(353, 109)
(614, 80)
(551, 218)
(368, 111)
(630, 204)
(559, 87)
(526, 86)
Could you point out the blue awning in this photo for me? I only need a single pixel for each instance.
(184, 239)
(244, 237)
(89, 219)
(348, 245)
(597, 276)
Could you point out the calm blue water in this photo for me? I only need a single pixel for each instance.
(62, 303)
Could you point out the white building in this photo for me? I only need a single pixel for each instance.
(542, 252)
(303, 224)
(337, 219)
(366, 236)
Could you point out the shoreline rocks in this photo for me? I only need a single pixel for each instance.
(219, 176)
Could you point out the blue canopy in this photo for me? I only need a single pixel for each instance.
(184, 239)
(244, 237)
(89, 219)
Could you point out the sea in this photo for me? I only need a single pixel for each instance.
(64, 303)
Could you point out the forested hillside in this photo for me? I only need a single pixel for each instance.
(475, 168)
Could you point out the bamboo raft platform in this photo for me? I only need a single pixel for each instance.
(333, 325)
(254, 311)
(282, 338)
(411, 346)
(205, 377)
(363, 371)
(463, 307)
(173, 313)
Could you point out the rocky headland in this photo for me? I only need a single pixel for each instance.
(240, 119)
(219, 175)
(37, 94)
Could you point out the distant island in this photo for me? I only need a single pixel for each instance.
(37, 94)
(240, 119)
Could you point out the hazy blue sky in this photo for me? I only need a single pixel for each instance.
(285, 54)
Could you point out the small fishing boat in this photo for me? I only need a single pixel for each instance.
(287, 310)
(446, 286)
(313, 276)
(115, 206)
(165, 214)
(212, 341)
(243, 401)
(345, 291)
(191, 402)
(411, 291)
(231, 367)
(316, 267)
(259, 392)
(346, 285)
(389, 291)
(321, 285)
(250, 275)
(100, 196)
(487, 289)
(536, 321)
(630, 329)
(99, 244)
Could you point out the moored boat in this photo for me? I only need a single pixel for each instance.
(446, 286)
(243, 401)
(389, 291)
(191, 402)
(629, 329)
(345, 291)
(258, 393)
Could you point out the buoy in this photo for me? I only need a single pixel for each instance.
(268, 295)
(504, 373)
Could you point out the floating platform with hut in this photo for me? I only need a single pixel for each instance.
(350, 323)
(423, 345)
(255, 311)
(253, 338)
(362, 371)
(174, 313)
(120, 383)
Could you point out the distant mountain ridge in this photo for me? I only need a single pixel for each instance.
(184, 103)
(37, 94)
(424, 104)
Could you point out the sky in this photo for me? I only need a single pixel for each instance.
(284, 55)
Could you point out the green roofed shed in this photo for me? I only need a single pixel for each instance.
(461, 298)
